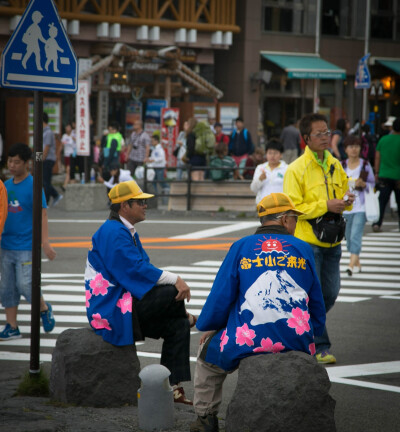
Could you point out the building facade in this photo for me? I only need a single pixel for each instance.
(271, 67)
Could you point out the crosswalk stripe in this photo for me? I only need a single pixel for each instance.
(60, 318)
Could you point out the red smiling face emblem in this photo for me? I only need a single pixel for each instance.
(271, 245)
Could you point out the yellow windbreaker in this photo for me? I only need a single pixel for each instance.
(308, 186)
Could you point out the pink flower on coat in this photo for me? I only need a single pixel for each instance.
(125, 303)
(299, 321)
(311, 348)
(99, 323)
(88, 297)
(244, 335)
(99, 285)
(224, 340)
(268, 346)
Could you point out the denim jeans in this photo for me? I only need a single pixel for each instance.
(16, 276)
(158, 180)
(355, 223)
(327, 264)
(49, 190)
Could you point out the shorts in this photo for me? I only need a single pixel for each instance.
(67, 161)
(16, 277)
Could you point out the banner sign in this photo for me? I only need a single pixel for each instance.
(82, 119)
(169, 133)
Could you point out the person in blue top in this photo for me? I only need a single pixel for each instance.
(16, 243)
(127, 297)
(266, 298)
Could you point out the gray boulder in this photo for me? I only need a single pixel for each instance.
(87, 371)
(281, 392)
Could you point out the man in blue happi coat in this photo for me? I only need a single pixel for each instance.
(266, 298)
(127, 297)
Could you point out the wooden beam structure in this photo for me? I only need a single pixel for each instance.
(204, 15)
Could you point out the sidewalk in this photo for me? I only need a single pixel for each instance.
(25, 414)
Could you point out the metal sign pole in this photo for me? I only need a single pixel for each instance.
(37, 230)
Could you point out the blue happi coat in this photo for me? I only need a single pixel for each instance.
(266, 298)
(117, 270)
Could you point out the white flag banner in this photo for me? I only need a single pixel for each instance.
(82, 119)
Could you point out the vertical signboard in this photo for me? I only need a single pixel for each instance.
(82, 119)
(169, 133)
(152, 115)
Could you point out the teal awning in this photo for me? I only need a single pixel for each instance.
(391, 64)
(305, 66)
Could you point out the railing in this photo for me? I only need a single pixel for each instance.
(206, 15)
(189, 194)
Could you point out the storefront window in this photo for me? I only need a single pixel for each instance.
(330, 17)
(385, 19)
(283, 16)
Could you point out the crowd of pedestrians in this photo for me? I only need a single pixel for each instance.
(308, 200)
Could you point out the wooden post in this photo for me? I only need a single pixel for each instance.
(168, 90)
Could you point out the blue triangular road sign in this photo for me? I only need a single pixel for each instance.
(39, 55)
(363, 77)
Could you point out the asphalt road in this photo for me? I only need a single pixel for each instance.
(363, 325)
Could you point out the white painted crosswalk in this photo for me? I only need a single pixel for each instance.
(379, 280)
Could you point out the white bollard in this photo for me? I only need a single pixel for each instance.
(155, 399)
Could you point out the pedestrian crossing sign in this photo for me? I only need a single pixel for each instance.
(39, 55)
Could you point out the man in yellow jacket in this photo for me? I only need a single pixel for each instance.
(318, 186)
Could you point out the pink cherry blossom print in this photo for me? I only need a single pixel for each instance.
(311, 348)
(299, 321)
(99, 323)
(99, 285)
(125, 303)
(268, 346)
(224, 340)
(244, 335)
(88, 297)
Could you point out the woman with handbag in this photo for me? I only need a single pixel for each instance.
(360, 170)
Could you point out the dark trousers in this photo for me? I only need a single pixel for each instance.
(161, 316)
(49, 190)
(386, 186)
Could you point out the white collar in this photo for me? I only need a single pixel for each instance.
(130, 227)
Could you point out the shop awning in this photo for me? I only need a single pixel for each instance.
(394, 65)
(305, 66)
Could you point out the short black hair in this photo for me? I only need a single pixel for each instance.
(239, 119)
(114, 125)
(274, 144)
(21, 150)
(307, 121)
(45, 118)
(396, 125)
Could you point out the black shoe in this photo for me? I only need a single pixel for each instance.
(205, 424)
(349, 272)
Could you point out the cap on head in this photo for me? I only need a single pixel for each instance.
(125, 191)
(276, 203)
(389, 121)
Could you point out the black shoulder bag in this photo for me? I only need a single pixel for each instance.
(330, 227)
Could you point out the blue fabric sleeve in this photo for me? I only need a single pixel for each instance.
(316, 305)
(224, 292)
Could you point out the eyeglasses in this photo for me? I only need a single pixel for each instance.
(319, 135)
(139, 202)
